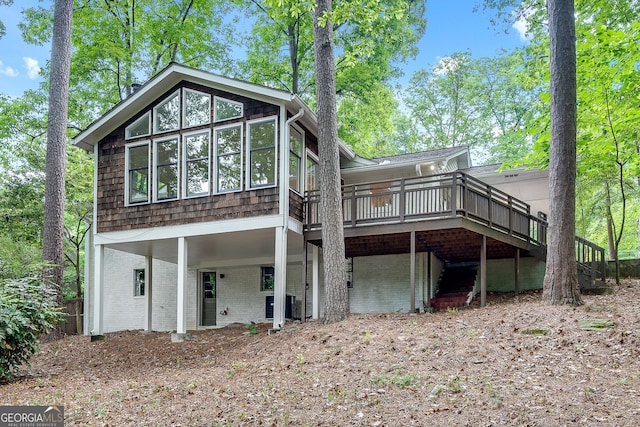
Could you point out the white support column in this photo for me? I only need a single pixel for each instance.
(148, 291)
(483, 272)
(183, 256)
(413, 271)
(280, 279)
(315, 274)
(305, 254)
(98, 284)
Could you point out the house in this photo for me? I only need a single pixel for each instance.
(206, 213)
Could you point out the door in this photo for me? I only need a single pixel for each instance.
(209, 298)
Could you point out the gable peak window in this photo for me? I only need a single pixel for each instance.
(197, 108)
(226, 109)
(141, 127)
(166, 115)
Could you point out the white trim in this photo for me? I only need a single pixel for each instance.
(154, 170)
(315, 282)
(274, 120)
(181, 292)
(98, 291)
(127, 201)
(155, 114)
(148, 290)
(148, 115)
(184, 108)
(185, 159)
(188, 230)
(230, 101)
(214, 158)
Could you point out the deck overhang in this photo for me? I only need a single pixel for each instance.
(452, 239)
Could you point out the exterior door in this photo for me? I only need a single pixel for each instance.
(209, 298)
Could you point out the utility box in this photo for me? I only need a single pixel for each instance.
(289, 307)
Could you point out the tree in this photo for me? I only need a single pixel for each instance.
(486, 103)
(335, 283)
(370, 41)
(53, 238)
(3, 29)
(560, 284)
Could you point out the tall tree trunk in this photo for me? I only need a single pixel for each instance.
(335, 283)
(53, 233)
(611, 235)
(561, 277)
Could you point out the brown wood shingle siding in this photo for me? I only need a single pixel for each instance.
(113, 215)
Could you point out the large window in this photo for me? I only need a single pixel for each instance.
(137, 177)
(262, 152)
(197, 108)
(313, 182)
(197, 144)
(166, 116)
(166, 169)
(196, 164)
(229, 158)
(296, 144)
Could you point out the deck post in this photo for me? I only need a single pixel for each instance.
(303, 308)
(413, 271)
(483, 272)
(315, 274)
(98, 291)
(517, 271)
(280, 278)
(454, 197)
(181, 317)
(148, 289)
(429, 285)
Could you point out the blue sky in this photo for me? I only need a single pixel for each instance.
(452, 27)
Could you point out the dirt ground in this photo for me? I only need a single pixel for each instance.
(515, 362)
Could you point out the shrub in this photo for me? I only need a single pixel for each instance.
(28, 309)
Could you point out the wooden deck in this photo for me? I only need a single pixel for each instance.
(449, 214)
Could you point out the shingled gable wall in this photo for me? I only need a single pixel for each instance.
(113, 215)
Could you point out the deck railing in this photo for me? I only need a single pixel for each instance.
(589, 256)
(449, 195)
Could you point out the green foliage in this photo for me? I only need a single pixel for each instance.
(486, 103)
(28, 309)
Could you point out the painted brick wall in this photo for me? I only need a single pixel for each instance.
(123, 311)
(501, 274)
(381, 284)
(239, 293)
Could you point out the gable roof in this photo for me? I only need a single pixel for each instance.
(422, 157)
(175, 73)
(426, 156)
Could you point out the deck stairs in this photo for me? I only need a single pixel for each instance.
(455, 287)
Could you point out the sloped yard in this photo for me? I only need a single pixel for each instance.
(513, 363)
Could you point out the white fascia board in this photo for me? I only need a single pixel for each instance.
(463, 150)
(188, 230)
